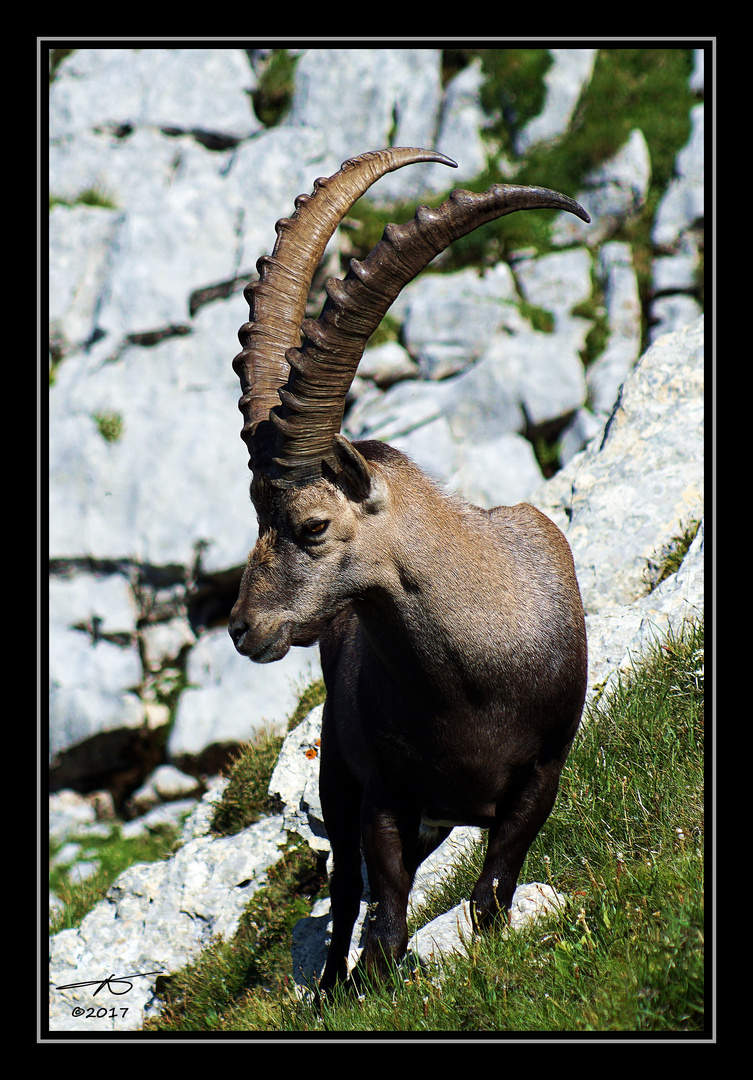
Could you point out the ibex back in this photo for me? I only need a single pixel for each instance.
(452, 638)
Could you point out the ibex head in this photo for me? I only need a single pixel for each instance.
(322, 502)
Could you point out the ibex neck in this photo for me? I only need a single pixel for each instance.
(430, 616)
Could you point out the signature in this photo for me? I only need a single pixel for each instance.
(108, 982)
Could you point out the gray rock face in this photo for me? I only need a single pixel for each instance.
(217, 706)
(449, 318)
(682, 205)
(645, 474)
(196, 90)
(384, 97)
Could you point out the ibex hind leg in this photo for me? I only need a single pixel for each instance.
(512, 834)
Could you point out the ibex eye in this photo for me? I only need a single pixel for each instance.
(316, 527)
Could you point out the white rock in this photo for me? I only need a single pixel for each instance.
(156, 918)
(565, 81)
(230, 700)
(83, 240)
(92, 690)
(189, 89)
(164, 784)
(388, 97)
(557, 282)
(295, 781)
(105, 603)
(678, 271)
(104, 502)
(625, 496)
(462, 123)
(497, 473)
(453, 931)
(449, 318)
(387, 364)
(613, 193)
(683, 203)
(672, 313)
(608, 372)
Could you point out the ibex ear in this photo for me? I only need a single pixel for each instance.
(362, 484)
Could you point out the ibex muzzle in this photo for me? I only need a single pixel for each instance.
(452, 638)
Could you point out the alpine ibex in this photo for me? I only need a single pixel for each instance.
(452, 638)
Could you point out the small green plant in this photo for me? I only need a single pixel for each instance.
(539, 318)
(672, 556)
(92, 196)
(109, 425)
(274, 92)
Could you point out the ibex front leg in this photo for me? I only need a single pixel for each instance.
(341, 800)
(390, 837)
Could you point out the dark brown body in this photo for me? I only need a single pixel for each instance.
(454, 657)
(452, 700)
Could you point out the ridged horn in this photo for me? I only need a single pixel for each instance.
(323, 368)
(278, 299)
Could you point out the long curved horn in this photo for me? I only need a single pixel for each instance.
(278, 299)
(323, 368)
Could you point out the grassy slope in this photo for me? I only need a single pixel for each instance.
(625, 844)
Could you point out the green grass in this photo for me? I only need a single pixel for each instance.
(93, 196)
(624, 844)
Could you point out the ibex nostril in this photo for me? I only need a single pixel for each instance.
(237, 630)
(452, 638)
